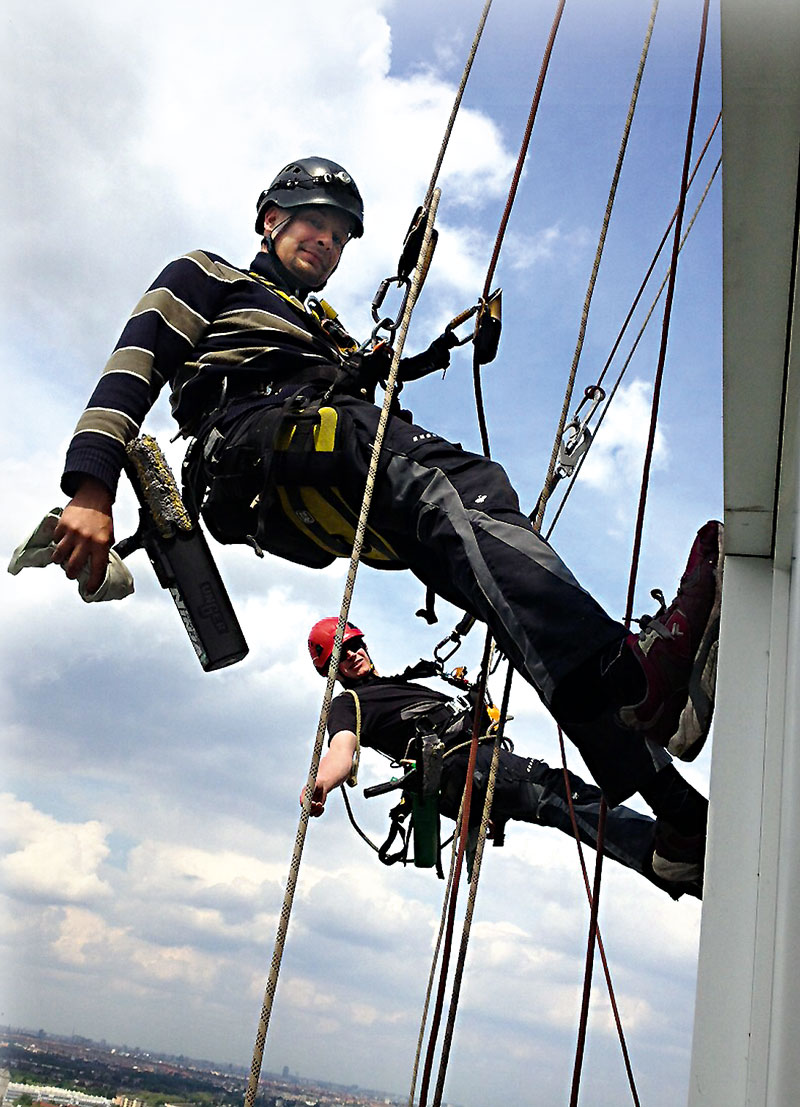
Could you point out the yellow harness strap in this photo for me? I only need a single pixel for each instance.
(325, 517)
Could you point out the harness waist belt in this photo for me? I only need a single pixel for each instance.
(254, 383)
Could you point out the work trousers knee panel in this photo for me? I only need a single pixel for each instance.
(455, 520)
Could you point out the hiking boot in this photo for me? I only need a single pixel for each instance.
(676, 650)
(678, 858)
(695, 721)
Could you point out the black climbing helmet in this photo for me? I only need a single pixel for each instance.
(313, 181)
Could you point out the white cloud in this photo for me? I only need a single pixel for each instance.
(85, 939)
(50, 860)
(524, 251)
(186, 874)
(616, 454)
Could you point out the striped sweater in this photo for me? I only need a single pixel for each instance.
(201, 319)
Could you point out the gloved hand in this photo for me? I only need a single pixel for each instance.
(436, 357)
(37, 551)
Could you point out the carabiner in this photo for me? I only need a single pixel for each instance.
(450, 329)
(380, 295)
(578, 434)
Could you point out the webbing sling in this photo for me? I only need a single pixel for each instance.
(305, 466)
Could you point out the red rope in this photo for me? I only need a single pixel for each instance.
(601, 948)
(662, 354)
(451, 907)
(436, 1020)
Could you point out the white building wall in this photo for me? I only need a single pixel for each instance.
(783, 1069)
(746, 1050)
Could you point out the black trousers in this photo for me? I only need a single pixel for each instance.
(530, 791)
(454, 520)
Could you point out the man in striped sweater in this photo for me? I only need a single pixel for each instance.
(252, 360)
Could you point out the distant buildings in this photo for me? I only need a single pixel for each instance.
(61, 1097)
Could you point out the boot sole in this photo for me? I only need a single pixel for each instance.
(678, 872)
(695, 721)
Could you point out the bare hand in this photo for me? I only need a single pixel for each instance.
(317, 800)
(85, 533)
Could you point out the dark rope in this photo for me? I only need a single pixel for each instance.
(662, 354)
(600, 946)
(590, 944)
(629, 357)
(612, 192)
(451, 906)
(364, 837)
(640, 523)
(487, 648)
(660, 247)
(473, 891)
(512, 192)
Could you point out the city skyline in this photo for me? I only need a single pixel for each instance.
(173, 1063)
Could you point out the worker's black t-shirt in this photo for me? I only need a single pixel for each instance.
(384, 701)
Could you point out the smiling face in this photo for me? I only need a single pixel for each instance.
(310, 244)
(354, 662)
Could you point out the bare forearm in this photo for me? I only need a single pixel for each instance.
(334, 769)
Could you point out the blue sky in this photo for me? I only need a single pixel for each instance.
(150, 808)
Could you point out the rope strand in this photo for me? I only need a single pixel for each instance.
(472, 895)
(632, 350)
(457, 102)
(501, 231)
(297, 852)
(451, 907)
(626, 130)
(640, 520)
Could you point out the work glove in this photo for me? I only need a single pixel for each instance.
(37, 551)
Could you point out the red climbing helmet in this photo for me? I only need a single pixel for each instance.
(320, 640)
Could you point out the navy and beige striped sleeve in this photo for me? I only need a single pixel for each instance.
(166, 325)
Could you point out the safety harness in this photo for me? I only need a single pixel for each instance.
(302, 486)
(443, 728)
(305, 469)
(304, 461)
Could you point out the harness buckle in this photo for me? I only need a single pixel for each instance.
(212, 446)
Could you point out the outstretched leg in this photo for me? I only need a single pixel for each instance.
(455, 520)
(531, 791)
(620, 697)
